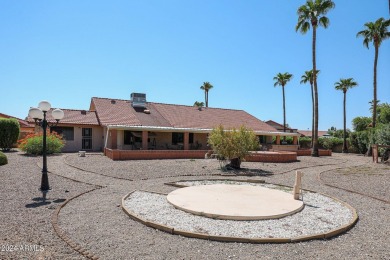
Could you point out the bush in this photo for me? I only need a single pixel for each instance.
(9, 133)
(329, 142)
(289, 140)
(3, 159)
(305, 142)
(233, 144)
(33, 143)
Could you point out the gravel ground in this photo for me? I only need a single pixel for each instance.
(96, 222)
(320, 215)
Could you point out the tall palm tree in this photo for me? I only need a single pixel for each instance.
(281, 79)
(206, 87)
(305, 78)
(344, 85)
(313, 14)
(375, 32)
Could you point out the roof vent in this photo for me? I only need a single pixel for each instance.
(138, 100)
(147, 111)
(83, 112)
(113, 101)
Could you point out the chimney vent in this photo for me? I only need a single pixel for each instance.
(138, 100)
(113, 101)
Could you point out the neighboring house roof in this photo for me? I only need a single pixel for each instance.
(279, 126)
(120, 112)
(22, 123)
(74, 116)
(308, 133)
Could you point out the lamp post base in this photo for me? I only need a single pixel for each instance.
(44, 192)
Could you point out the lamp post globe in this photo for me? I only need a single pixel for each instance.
(44, 106)
(57, 114)
(35, 113)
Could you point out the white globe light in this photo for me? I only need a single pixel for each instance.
(57, 114)
(44, 106)
(35, 113)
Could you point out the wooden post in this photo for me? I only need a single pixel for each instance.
(298, 184)
(375, 153)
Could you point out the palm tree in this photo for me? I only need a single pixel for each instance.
(375, 32)
(199, 105)
(206, 87)
(313, 14)
(308, 77)
(344, 85)
(281, 80)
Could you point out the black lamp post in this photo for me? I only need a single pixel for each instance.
(39, 116)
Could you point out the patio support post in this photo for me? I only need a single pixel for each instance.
(295, 140)
(186, 140)
(278, 140)
(114, 139)
(145, 137)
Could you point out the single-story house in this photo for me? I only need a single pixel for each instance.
(137, 125)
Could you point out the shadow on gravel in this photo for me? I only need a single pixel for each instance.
(248, 172)
(37, 204)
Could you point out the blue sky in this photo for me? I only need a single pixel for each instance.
(69, 51)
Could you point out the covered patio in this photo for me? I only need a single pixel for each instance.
(123, 142)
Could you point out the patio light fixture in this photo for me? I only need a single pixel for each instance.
(39, 116)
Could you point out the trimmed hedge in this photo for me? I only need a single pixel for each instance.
(3, 159)
(9, 133)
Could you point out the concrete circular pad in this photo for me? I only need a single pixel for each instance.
(235, 202)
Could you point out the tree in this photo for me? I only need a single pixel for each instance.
(383, 113)
(344, 85)
(375, 32)
(199, 104)
(313, 14)
(360, 123)
(281, 79)
(305, 78)
(9, 133)
(206, 87)
(233, 144)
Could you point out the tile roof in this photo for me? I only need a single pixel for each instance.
(280, 126)
(120, 112)
(308, 133)
(74, 116)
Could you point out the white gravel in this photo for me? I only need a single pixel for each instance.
(320, 214)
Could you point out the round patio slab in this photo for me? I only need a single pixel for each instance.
(235, 202)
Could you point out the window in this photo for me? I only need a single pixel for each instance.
(129, 138)
(191, 138)
(66, 132)
(177, 138)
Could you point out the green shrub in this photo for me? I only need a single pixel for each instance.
(382, 135)
(9, 133)
(233, 144)
(305, 142)
(33, 143)
(289, 140)
(329, 142)
(3, 159)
